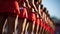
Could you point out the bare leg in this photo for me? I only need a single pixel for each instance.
(2, 21)
(37, 28)
(11, 24)
(16, 23)
(30, 27)
(26, 30)
(33, 27)
(20, 23)
(4, 26)
(21, 26)
(41, 29)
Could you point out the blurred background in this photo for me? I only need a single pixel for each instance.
(53, 7)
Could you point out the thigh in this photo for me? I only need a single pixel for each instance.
(11, 23)
(30, 27)
(21, 25)
(2, 22)
(11, 20)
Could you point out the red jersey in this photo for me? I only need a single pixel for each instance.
(9, 6)
(23, 12)
(31, 16)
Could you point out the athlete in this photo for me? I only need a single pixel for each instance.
(9, 9)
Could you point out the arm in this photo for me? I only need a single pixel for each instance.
(17, 7)
(34, 6)
(27, 3)
(31, 5)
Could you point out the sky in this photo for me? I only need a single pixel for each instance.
(53, 6)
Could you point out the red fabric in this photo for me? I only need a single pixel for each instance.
(22, 1)
(31, 16)
(46, 27)
(10, 6)
(52, 31)
(23, 12)
(37, 21)
(49, 29)
(41, 22)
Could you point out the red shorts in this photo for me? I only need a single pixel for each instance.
(31, 16)
(37, 20)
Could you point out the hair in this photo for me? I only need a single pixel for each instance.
(44, 10)
(41, 6)
(35, 0)
(39, 1)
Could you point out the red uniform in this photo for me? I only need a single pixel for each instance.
(9, 6)
(47, 27)
(23, 12)
(31, 16)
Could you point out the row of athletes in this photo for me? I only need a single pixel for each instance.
(18, 10)
(9, 9)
